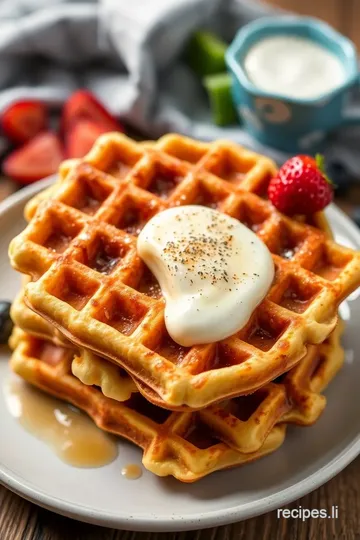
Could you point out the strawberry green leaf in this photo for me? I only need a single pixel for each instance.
(320, 163)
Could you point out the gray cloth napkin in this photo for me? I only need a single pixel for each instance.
(128, 52)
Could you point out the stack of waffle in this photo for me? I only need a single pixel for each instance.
(89, 322)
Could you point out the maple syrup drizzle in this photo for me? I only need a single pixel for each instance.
(71, 434)
(131, 471)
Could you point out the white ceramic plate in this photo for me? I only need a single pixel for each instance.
(308, 458)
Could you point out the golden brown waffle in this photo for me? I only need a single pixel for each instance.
(257, 183)
(33, 203)
(86, 366)
(295, 397)
(113, 381)
(31, 323)
(310, 377)
(97, 291)
(177, 444)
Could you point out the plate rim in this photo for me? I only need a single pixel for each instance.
(173, 522)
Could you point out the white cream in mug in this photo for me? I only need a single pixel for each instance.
(213, 271)
(294, 67)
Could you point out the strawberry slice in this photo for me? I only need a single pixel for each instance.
(37, 159)
(83, 105)
(22, 120)
(81, 137)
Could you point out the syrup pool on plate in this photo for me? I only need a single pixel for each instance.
(71, 434)
(131, 471)
(293, 66)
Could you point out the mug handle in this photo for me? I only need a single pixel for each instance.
(354, 119)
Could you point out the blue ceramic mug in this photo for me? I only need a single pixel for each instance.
(292, 124)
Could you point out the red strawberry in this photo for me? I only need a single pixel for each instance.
(22, 120)
(301, 186)
(37, 159)
(81, 137)
(83, 105)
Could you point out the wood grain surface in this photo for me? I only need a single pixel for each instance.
(344, 15)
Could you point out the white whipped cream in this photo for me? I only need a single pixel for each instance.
(293, 66)
(213, 271)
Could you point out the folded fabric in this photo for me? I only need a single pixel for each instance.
(129, 53)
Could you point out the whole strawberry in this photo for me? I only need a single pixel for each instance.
(301, 186)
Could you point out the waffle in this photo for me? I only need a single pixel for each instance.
(184, 149)
(31, 323)
(45, 194)
(80, 247)
(244, 422)
(86, 366)
(113, 381)
(295, 397)
(177, 444)
(310, 377)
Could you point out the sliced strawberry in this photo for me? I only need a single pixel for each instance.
(37, 159)
(83, 105)
(80, 138)
(22, 120)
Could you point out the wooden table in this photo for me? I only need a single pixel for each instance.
(344, 15)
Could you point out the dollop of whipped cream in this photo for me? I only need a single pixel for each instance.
(213, 271)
